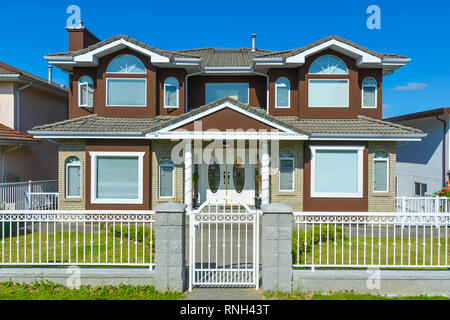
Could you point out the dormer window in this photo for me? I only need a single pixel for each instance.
(126, 92)
(171, 93)
(328, 92)
(85, 92)
(369, 93)
(282, 93)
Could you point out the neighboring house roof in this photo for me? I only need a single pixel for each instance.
(10, 136)
(8, 70)
(420, 115)
(360, 126)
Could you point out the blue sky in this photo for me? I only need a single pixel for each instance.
(417, 29)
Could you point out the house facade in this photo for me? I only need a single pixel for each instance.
(301, 127)
(26, 101)
(423, 167)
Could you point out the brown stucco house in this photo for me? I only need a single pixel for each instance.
(301, 127)
(26, 101)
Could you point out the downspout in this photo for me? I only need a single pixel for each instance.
(3, 160)
(18, 104)
(444, 151)
(186, 89)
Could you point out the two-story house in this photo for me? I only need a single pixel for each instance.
(301, 127)
(26, 101)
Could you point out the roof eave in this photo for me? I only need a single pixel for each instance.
(368, 137)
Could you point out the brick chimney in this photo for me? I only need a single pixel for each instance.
(80, 37)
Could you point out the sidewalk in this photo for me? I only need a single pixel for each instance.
(223, 294)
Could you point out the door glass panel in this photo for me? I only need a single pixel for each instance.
(238, 175)
(214, 176)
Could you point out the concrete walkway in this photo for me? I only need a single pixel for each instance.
(223, 294)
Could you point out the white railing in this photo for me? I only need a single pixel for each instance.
(422, 204)
(41, 201)
(100, 238)
(371, 239)
(12, 195)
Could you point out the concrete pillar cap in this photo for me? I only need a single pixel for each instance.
(171, 207)
(276, 208)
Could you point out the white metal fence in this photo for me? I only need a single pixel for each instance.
(422, 204)
(119, 238)
(13, 195)
(371, 239)
(41, 201)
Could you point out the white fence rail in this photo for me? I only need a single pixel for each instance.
(13, 195)
(119, 238)
(422, 204)
(41, 201)
(371, 239)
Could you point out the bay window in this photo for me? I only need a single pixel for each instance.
(337, 171)
(117, 177)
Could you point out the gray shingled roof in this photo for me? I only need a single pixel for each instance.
(357, 126)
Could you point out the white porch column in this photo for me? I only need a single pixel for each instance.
(265, 171)
(188, 175)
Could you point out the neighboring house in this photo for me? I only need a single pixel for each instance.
(316, 111)
(26, 101)
(423, 167)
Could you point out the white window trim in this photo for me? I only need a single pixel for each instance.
(359, 194)
(376, 93)
(94, 198)
(276, 94)
(337, 79)
(387, 174)
(248, 90)
(126, 54)
(125, 106)
(172, 196)
(80, 85)
(178, 95)
(293, 174)
(67, 178)
(420, 186)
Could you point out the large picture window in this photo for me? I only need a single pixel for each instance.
(73, 178)
(126, 92)
(166, 178)
(337, 171)
(331, 93)
(381, 172)
(216, 91)
(117, 177)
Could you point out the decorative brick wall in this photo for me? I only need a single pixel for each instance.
(293, 199)
(382, 202)
(67, 149)
(163, 149)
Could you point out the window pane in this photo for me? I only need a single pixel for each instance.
(336, 171)
(424, 189)
(126, 92)
(171, 96)
(83, 94)
(328, 93)
(380, 176)
(286, 174)
(216, 91)
(417, 189)
(117, 177)
(328, 65)
(166, 181)
(126, 64)
(282, 96)
(73, 182)
(369, 97)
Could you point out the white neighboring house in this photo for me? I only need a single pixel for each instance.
(423, 167)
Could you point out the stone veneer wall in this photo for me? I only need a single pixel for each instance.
(382, 202)
(67, 149)
(162, 149)
(293, 199)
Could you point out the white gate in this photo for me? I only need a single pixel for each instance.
(224, 244)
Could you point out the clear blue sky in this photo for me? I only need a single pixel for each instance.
(417, 29)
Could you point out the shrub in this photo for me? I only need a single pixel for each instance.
(324, 233)
(136, 234)
(444, 192)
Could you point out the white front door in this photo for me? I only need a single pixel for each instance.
(231, 179)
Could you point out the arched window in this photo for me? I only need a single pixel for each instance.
(171, 93)
(166, 178)
(73, 177)
(282, 93)
(126, 63)
(85, 92)
(328, 65)
(369, 93)
(381, 172)
(286, 176)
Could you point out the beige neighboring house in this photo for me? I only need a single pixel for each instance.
(27, 100)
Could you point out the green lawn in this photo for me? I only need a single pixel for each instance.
(94, 248)
(342, 296)
(50, 291)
